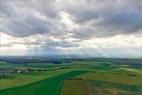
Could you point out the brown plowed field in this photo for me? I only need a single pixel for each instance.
(75, 87)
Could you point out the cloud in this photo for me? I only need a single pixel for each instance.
(60, 44)
(52, 24)
(25, 18)
(5, 45)
(105, 19)
(125, 22)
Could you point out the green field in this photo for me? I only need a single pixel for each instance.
(15, 80)
(111, 77)
(87, 77)
(109, 88)
(50, 86)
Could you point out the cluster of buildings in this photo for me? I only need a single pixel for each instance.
(6, 71)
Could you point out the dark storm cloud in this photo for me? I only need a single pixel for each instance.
(83, 15)
(24, 21)
(6, 8)
(26, 27)
(130, 21)
(105, 18)
(96, 18)
(127, 22)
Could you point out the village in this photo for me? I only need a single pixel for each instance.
(7, 71)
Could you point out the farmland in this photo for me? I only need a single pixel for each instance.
(72, 77)
(75, 87)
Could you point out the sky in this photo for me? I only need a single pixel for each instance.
(87, 28)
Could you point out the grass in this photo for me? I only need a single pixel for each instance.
(103, 78)
(110, 77)
(6, 65)
(15, 80)
(109, 88)
(50, 86)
